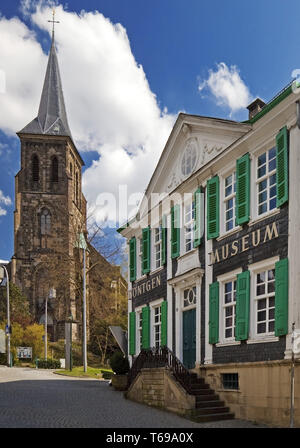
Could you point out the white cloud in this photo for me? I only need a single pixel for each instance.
(227, 87)
(4, 200)
(110, 105)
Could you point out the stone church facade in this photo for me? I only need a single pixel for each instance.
(50, 211)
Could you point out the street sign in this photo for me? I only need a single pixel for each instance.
(121, 337)
(24, 352)
(8, 329)
(2, 342)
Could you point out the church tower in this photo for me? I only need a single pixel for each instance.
(50, 210)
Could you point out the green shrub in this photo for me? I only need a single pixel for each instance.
(106, 375)
(48, 364)
(119, 363)
(3, 359)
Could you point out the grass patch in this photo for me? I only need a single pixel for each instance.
(79, 373)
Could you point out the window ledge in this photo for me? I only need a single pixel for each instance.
(263, 217)
(186, 254)
(141, 278)
(263, 340)
(230, 232)
(157, 270)
(228, 343)
(238, 391)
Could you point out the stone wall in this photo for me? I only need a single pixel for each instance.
(157, 387)
(264, 390)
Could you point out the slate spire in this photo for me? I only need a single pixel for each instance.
(52, 116)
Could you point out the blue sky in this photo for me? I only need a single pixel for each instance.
(177, 46)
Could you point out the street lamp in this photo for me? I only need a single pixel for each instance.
(3, 271)
(52, 295)
(71, 320)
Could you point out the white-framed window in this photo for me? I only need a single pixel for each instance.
(188, 226)
(189, 297)
(158, 247)
(157, 326)
(229, 201)
(266, 181)
(265, 302)
(262, 301)
(228, 309)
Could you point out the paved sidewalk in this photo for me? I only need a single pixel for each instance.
(32, 398)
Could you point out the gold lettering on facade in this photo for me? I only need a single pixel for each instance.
(225, 251)
(215, 257)
(244, 243)
(234, 247)
(269, 232)
(149, 285)
(256, 238)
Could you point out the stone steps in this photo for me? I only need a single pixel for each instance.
(213, 417)
(208, 406)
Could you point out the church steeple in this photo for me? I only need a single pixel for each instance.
(52, 116)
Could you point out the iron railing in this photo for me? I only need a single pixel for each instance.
(161, 357)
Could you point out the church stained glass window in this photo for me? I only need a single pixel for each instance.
(45, 222)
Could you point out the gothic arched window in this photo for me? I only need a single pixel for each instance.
(45, 222)
(54, 170)
(35, 168)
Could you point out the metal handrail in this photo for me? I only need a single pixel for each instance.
(161, 357)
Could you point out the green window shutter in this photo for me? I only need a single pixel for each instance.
(146, 250)
(164, 231)
(242, 206)
(132, 259)
(281, 297)
(164, 323)
(175, 231)
(213, 205)
(282, 175)
(213, 313)
(242, 306)
(197, 228)
(146, 327)
(132, 333)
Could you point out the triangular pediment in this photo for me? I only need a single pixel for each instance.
(194, 141)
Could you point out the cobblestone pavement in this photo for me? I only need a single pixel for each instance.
(32, 398)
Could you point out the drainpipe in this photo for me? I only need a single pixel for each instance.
(292, 379)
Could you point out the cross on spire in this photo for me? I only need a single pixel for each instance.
(53, 21)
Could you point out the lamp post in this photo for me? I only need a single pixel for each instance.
(52, 295)
(71, 322)
(81, 244)
(3, 271)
